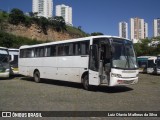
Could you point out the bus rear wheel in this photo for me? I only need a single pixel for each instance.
(37, 77)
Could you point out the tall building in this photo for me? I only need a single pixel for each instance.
(145, 30)
(43, 8)
(156, 27)
(65, 12)
(139, 29)
(123, 29)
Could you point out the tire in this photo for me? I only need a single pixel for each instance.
(37, 77)
(85, 82)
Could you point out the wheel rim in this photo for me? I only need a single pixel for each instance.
(86, 82)
(36, 77)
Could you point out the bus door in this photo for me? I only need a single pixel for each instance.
(94, 66)
(99, 64)
(104, 62)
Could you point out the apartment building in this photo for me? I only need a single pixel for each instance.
(43, 8)
(65, 12)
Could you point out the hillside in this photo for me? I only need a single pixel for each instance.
(34, 32)
(40, 29)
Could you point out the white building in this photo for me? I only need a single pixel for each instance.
(65, 12)
(139, 29)
(156, 27)
(123, 29)
(44, 8)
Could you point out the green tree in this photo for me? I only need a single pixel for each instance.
(43, 22)
(58, 23)
(16, 16)
(96, 33)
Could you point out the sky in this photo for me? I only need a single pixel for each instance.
(99, 15)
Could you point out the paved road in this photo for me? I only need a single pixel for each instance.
(22, 94)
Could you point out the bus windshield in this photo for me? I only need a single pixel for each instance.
(158, 63)
(151, 63)
(14, 63)
(4, 63)
(123, 56)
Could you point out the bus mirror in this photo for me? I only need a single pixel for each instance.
(11, 58)
(155, 61)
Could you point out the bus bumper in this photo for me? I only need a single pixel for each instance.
(15, 72)
(123, 81)
(150, 70)
(158, 71)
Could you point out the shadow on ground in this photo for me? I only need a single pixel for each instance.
(104, 89)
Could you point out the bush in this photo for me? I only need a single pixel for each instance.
(11, 41)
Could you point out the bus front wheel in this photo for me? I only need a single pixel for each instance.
(37, 77)
(85, 82)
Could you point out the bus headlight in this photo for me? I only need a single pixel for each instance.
(116, 75)
(7, 70)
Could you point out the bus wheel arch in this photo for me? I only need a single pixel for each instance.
(36, 75)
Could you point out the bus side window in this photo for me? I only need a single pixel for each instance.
(66, 49)
(63, 50)
(36, 52)
(60, 50)
(29, 53)
(25, 53)
(21, 53)
(47, 51)
(39, 52)
(84, 48)
(70, 49)
(53, 50)
(76, 48)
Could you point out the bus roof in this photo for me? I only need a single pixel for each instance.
(3, 48)
(70, 40)
(145, 57)
(152, 58)
(13, 49)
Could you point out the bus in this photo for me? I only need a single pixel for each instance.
(151, 64)
(92, 61)
(158, 65)
(143, 63)
(4, 63)
(13, 53)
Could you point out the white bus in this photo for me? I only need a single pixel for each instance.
(151, 64)
(4, 63)
(158, 65)
(96, 60)
(13, 53)
(143, 63)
